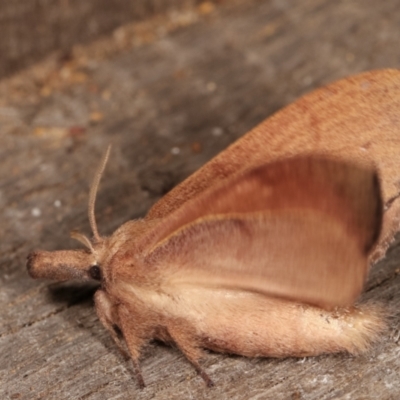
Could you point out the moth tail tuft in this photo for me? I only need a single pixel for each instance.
(362, 326)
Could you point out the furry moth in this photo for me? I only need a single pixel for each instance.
(263, 260)
(254, 265)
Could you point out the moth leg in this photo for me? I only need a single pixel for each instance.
(135, 337)
(106, 312)
(184, 341)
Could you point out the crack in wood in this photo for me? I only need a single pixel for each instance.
(34, 321)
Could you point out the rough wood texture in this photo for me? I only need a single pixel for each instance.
(168, 105)
(32, 29)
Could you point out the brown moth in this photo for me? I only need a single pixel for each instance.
(260, 253)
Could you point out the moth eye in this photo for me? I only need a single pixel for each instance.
(95, 272)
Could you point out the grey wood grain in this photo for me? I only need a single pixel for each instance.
(32, 29)
(168, 107)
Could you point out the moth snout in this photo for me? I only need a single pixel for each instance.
(59, 265)
(30, 264)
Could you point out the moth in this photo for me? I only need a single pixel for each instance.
(249, 256)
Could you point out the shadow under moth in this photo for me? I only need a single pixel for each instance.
(264, 250)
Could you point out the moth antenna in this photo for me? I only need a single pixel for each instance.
(93, 193)
(80, 237)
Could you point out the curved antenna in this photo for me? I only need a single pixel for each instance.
(93, 192)
(83, 239)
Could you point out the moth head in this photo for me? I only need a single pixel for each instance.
(64, 265)
(75, 264)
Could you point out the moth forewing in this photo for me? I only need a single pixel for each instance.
(354, 119)
(305, 256)
(299, 228)
(343, 190)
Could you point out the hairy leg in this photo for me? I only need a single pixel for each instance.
(106, 312)
(186, 341)
(136, 333)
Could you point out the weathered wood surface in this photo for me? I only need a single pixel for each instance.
(167, 106)
(32, 29)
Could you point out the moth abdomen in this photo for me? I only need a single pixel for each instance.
(258, 326)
